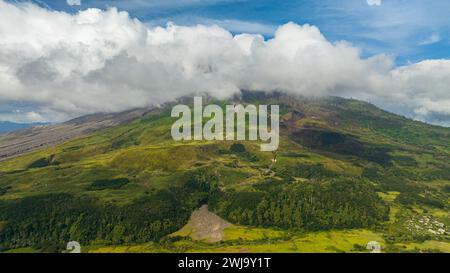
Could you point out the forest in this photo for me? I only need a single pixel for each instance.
(47, 222)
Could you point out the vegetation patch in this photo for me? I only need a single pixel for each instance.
(446, 189)
(43, 162)
(371, 173)
(237, 148)
(295, 155)
(270, 184)
(310, 206)
(104, 184)
(405, 161)
(59, 218)
(4, 190)
(240, 150)
(344, 144)
(315, 171)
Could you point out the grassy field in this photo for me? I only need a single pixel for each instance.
(427, 246)
(240, 233)
(247, 240)
(243, 240)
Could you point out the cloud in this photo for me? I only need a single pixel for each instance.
(235, 26)
(74, 2)
(434, 38)
(138, 4)
(374, 2)
(103, 61)
(34, 117)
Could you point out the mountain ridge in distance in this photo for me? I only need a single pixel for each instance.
(8, 126)
(53, 134)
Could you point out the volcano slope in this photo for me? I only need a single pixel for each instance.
(345, 173)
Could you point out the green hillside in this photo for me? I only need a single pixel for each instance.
(344, 167)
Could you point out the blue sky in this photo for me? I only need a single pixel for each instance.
(56, 66)
(409, 30)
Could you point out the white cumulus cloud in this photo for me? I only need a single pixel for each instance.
(74, 2)
(434, 38)
(374, 2)
(102, 61)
